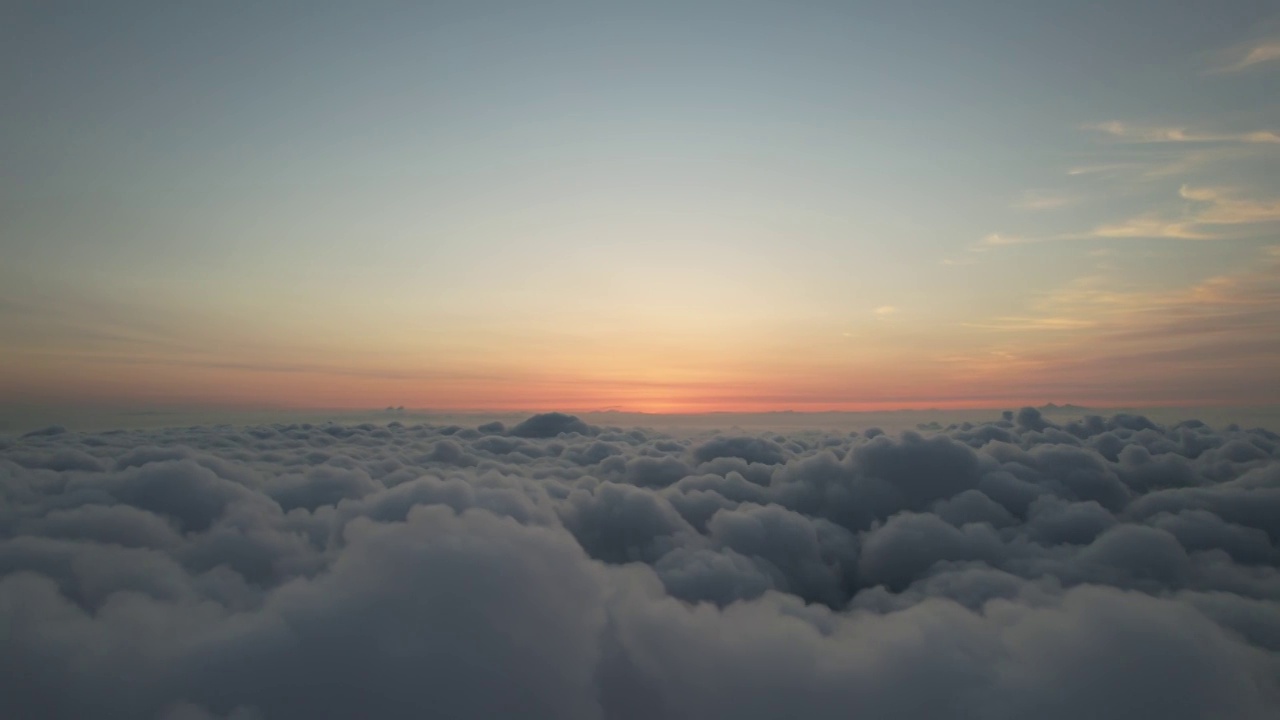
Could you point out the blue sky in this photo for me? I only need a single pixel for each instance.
(663, 206)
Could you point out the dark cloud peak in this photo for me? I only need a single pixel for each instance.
(549, 425)
(1106, 568)
(46, 431)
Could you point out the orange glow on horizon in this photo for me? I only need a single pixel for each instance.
(158, 385)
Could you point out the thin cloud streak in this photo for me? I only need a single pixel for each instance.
(1146, 227)
(1225, 208)
(1021, 324)
(1104, 169)
(1159, 134)
(1265, 52)
(1219, 207)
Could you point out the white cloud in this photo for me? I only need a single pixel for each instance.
(1215, 210)
(1265, 52)
(998, 240)
(1215, 207)
(1159, 134)
(1103, 169)
(1226, 207)
(1036, 200)
(1151, 226)
(297, 570)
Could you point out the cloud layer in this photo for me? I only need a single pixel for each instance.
(1108, 567)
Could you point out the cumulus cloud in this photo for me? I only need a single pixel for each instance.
(1103, 567)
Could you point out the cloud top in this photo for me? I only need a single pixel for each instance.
(1100, 567)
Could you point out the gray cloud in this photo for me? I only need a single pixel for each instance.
(1109, 567)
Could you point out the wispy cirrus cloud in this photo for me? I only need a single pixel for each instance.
(1159, 153)
(1219, 326)
(1101, 169)
(1022, 324)
(993, 241)
(1172, 134)
(1217, 207)
(1215, 212)
(1128, 312)
(1175, 159)
(1225, 207)
(1250, 56)
(1147, 226)
(999, 240)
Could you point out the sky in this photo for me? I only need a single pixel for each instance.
(650, 207)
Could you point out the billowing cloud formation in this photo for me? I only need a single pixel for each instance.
(1105, 568)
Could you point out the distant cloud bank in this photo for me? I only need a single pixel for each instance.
(1107, 567)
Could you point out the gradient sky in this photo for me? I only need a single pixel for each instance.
(657, 206)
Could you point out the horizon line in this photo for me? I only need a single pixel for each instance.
(391, 410)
